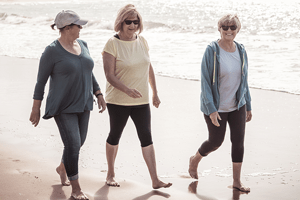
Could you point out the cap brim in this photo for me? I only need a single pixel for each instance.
(81, 22)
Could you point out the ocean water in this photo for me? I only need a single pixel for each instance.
(177, 31)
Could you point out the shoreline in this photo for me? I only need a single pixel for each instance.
(178, 130)
(179, 78)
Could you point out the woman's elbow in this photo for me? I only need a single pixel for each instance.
(110, 78)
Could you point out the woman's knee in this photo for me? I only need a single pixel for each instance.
(73, 147)
(216, 143)
(237, 147)
(209, 146)
(146, 143)
(145, 136)
(112, 140)
(214, 147)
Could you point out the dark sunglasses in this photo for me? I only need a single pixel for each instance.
(135, 22)
(225, 28)
(79, 26)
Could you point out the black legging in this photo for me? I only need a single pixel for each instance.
(237, 122)
(119, 115)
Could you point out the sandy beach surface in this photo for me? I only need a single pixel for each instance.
(29, 156)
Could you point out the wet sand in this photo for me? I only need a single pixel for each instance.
(29, 156)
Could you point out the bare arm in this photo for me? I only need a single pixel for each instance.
(155, 99)
(36, 112)
(109, 63)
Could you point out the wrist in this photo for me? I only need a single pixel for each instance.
(35, 109)
(127, 90)
(99, 95)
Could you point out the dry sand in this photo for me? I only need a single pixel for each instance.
(29, 156)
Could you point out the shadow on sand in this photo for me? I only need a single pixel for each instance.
(57, 192)
(193, 189)
(102, 194)
(152, 193)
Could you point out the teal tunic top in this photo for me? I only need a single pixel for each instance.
(72, 83)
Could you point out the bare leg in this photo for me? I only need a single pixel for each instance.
(236, 168)
(111, 153)
(76, 191)
(149, 156)
(63, 174)
(194, 161)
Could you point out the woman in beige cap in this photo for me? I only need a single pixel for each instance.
(72, 85)
(129, 71)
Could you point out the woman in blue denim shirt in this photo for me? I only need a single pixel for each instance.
(225, 97)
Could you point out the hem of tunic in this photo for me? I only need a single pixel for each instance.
(128, 104)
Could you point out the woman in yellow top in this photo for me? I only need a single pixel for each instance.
(128, 70)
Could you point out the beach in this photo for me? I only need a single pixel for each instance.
(29, 155)
(177, 33)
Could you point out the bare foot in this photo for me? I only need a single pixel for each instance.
(110, 181)
(160, 184)
(241, 187)
(193, 168)
(63, 176)
(79, 196)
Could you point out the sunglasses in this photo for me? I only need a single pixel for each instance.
(225, 28)
(135, 22)
(79, 26)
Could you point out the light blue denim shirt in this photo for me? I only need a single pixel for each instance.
(210, 69)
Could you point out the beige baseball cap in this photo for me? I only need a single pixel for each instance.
(67, 17)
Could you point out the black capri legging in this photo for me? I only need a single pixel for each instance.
(139, 114)
(237, 123)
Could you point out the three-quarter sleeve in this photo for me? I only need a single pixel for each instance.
(96, 86)
(45, 69)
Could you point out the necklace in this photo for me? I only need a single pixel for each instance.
(127, 39)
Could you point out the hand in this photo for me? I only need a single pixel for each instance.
(35, 117)
(155, 101)
(134, 93)
(101, 104)
(214, 118)
(248, 116)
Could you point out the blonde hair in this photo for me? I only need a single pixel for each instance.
(229, 19)
(125, 12)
